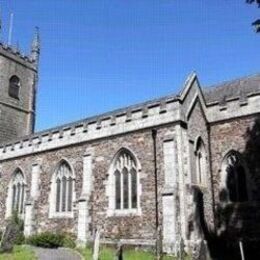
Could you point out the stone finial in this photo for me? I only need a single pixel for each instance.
(35, 49)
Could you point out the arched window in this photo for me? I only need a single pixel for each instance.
(14, 87)
(124, 187)
(235, 177)
(62, 191)
(64, 188)
(17, 187)
(201, 169)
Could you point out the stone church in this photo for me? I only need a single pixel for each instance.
(164, 168)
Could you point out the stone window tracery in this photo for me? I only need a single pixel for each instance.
(235, 178)
(17, 192)
(14, 87)
(123, 186)
(64, 189)
(62, 193)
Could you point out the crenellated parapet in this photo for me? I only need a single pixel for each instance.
(167, 110)
(146, 115)
(15, 54)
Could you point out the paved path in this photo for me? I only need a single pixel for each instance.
(56, 254)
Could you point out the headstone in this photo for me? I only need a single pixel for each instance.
(180, 249)
(158, 244)
(10, 234)
(96, 245)
(119, 252)
(200, 251)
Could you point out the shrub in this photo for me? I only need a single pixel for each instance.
(51, 240)
(68, 242)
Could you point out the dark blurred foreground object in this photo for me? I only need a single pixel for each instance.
(119, 252)
(256, 23)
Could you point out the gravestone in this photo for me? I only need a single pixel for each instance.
(200, 251)
(119, 252)
(96, 245)
(9, 237)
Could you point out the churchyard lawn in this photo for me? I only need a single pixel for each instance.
(19, 253)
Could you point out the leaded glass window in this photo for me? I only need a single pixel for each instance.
(64, 188)
(18, 192)
(125, 174)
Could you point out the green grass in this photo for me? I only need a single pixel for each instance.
(19, 253)
(109, 254)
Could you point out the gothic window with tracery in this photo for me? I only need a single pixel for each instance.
(14, 87)
(64, 188)
(125, 173)
(236, 181)
(18, 192)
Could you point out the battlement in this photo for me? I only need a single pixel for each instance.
(16, 54)
(146, 115)
(120, 121)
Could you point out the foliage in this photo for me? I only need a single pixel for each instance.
(253, 1)
(108, 253)
(51, 240)
(256, 23)
(68, 241)
(16, 220)
(19, 253)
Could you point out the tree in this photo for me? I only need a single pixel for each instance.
(256, 23)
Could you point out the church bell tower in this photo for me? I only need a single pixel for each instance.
(18, 89)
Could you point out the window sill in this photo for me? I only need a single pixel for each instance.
(124, 212)
(199, 185)
(62, 215)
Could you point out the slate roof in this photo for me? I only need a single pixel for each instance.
(214, 94)
(229, 90)
(234, 89)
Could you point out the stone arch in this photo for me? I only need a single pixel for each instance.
(234, 178)
(62, 194)
(123, 186)
(201, 162)
(14, 87)
(16, 193)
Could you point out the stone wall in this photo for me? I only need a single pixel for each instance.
(197, 128)
(16, 115)
(242, 135)
(137, 228)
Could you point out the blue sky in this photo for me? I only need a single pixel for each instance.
(105, 54)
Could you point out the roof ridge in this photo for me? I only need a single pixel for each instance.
(96, 117)
(226, 82)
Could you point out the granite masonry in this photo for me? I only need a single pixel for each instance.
(172, 164)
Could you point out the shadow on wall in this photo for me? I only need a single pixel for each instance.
(237, 213)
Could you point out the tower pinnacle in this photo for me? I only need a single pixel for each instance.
(35, 49)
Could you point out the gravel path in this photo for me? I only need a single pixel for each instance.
(56, 254)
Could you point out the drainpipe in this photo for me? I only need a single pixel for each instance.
(158, 235)
(154, 135)
(211, 177)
